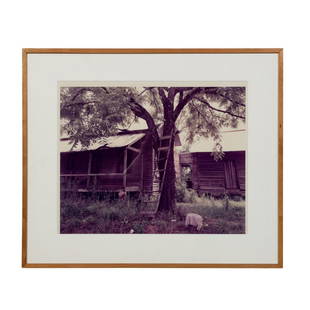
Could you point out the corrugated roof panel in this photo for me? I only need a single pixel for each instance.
(124, 140)
(110, 142)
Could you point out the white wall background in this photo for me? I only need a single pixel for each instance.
(264, 23)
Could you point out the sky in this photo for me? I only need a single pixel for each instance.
(233, 139)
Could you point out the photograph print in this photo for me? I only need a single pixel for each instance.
(143, 159)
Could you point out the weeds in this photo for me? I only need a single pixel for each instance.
(122, 216)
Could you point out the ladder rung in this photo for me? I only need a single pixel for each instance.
(162, 158)
(163, 148)
(134, 149)
(151, 192)
(165, 137)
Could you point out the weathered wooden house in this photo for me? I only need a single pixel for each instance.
(124, 162)
(227, 175)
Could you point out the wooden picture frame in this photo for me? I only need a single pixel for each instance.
(278, 52)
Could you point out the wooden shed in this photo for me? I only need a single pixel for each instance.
(227, 175)
(121, 162)
(124, 162)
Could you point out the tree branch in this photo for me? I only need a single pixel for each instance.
(184, 101)
(215, 91)
(167, 105)
(79, 92)
(171, 94)
(162, 95)
(218, 110)
(146, 89)
(199, 113)
(105, 89)
(141, 112)
(233, 101)
(180, 96)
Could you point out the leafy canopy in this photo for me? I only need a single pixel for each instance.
(92, 113)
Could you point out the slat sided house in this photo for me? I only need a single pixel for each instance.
(121, 162)
(124, 162)
(226, 175)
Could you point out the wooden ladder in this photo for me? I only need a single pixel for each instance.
(151, 199)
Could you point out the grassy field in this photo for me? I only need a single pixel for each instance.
(222, 216)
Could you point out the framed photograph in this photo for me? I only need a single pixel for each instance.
(152, 158)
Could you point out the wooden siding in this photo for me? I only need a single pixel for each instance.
(210, 173)
(147, 164)
(216, 177)
(240, 167)
(108, 161)
(186, 158)
(74, 162)
(105, 172)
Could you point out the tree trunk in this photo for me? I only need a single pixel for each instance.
(167, 200)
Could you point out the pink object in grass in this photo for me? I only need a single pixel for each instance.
(195, 220)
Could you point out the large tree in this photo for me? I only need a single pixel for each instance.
(91, 113)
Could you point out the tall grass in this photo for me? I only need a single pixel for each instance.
(190, 196)
(93, 215)
(235, 213)
(87, 216)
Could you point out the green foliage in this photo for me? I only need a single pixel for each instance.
(220, 220)
(213, 211)
(92, 113)
(93, 216)
(209, 112)
(183, 194)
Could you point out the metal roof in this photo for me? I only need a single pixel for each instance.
(120, 140)
(234, 140)
(110, 142)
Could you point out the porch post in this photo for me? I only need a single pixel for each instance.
(125, 170)
(89, 168)
(141, 175)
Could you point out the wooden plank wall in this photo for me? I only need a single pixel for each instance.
(147, 164)
(108, 161)
(240, 167)
(210, 172)
(216, 177)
